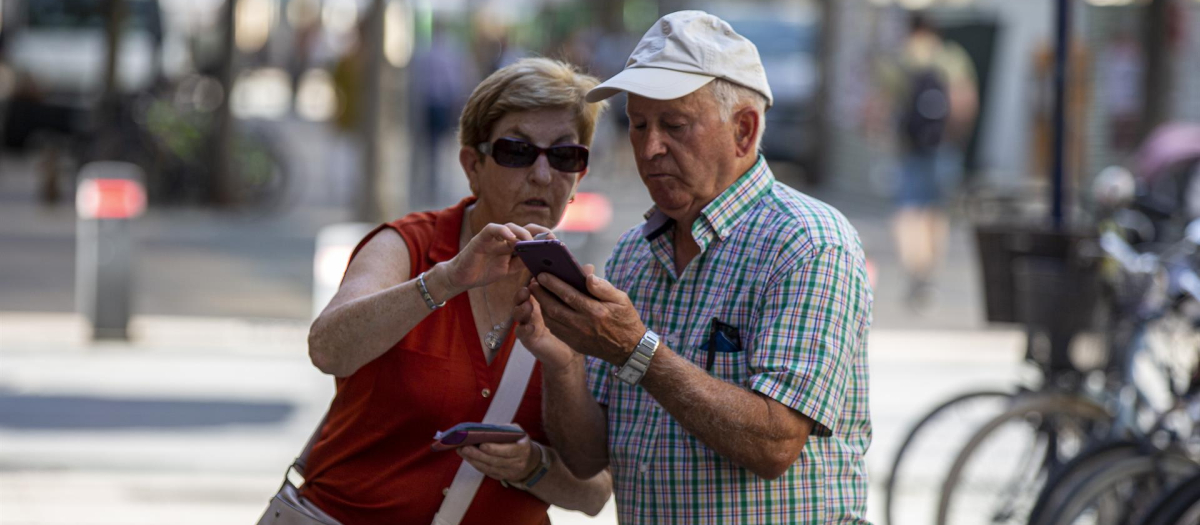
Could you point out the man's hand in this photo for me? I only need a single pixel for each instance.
(607, 327)
(503, 461)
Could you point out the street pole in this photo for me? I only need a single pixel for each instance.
(114, 22)
(1157, 81)
(824, 112)
(368, 198)
(220, 188)
(1061, 63)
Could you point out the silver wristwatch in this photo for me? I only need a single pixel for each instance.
(635, 368)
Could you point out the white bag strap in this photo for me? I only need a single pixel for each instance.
(504, 406)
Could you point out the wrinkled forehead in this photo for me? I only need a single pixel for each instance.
(694, 103)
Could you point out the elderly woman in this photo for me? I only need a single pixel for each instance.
(420, 331)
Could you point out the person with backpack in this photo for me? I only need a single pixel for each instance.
(934, 96)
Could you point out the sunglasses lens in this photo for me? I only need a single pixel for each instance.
(513, 153)
(571, 159)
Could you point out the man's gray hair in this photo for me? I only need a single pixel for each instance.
(731, 96)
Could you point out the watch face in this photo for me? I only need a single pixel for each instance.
(629, 375)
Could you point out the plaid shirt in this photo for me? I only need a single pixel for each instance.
(789, 273)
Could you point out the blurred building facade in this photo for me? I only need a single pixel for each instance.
(1011, 42)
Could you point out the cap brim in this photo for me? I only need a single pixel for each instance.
(650, 82)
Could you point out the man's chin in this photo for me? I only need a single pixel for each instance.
(669, 201)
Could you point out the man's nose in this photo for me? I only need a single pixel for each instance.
(654, 145)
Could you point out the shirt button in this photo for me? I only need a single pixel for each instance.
(446, 491)
(644, 468)
(486, 393)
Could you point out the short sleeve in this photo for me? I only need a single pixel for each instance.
(807, 335)
(598, 378)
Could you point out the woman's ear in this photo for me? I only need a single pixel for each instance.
(746, 128)
(472, 164)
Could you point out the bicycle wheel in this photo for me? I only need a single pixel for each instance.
(1123, 492)
(926, 452)
(1180, 506)
(997, 475)
(1061, 483)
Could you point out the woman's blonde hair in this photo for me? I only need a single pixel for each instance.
(529, 84)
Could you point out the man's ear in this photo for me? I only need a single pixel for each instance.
(746, 129)
(472, 163)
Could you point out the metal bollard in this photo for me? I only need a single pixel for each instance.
(335, 244)
(109, 195)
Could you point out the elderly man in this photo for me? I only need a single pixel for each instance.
(725, 378)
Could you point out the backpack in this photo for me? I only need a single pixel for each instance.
(923, 123)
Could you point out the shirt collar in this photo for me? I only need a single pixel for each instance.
(724, 212)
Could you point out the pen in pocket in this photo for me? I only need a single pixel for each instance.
(722, 337)
(712, 345)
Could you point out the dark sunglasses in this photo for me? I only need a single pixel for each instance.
(513, 153)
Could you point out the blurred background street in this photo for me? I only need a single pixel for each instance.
(193, 416)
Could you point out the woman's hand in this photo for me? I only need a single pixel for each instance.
(531, 328)
(489, 256)
(503, 461)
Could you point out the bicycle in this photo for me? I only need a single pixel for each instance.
(1049, 428)
(1113, 483)
(1179, 506)
(946, 428)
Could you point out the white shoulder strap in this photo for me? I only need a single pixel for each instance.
(504, 406)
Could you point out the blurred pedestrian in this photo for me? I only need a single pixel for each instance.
(934, 100)
(443, 76)
(419, 332)
(722, 374)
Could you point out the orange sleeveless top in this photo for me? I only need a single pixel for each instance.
(372, 463)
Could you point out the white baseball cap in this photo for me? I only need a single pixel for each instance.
(681, 53)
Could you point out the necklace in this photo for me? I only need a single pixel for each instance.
(495, 336)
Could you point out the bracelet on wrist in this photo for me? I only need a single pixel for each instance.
(425, 293)
(538, 473)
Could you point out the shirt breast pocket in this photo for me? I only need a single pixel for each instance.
(722, 353)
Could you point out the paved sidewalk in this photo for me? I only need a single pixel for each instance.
(195, 419)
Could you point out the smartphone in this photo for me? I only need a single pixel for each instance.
(552, 256)
(466, 434)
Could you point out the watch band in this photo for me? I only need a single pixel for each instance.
(425, 294)
(639, 361)
(538, 473)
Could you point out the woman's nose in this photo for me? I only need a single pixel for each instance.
(541, 172)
